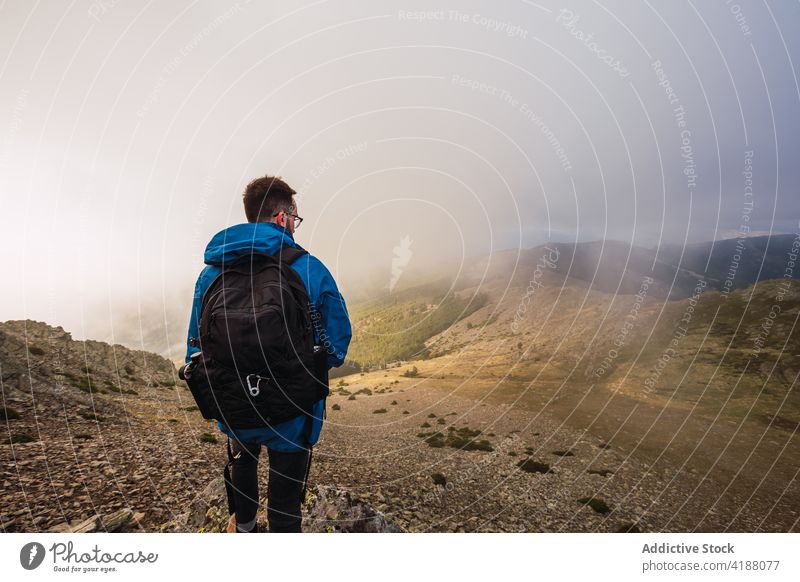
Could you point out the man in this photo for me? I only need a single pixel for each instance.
(272, 218)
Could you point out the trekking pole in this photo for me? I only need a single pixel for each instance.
(229, 490)
(308, 471)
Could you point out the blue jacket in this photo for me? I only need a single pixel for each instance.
(324, 295)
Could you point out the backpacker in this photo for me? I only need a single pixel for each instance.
(257, 364)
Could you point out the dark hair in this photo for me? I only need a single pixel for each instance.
(264, 197)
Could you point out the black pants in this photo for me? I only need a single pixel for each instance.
(287, 475)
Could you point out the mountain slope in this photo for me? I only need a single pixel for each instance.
(77, 436)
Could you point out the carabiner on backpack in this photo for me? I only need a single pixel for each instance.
(255, 389)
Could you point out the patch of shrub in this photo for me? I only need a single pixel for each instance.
(598, 505)
(208, 438)
(628, 528)
(84, 385)
(431, 415)
(351, 397)
(604, 446)
(466, 432)
(190, 408)
(461, 438)
(564, 453)
(129, 370)
(35, 351)
(412, 373)
(406, 412)
(393, 402)
(436, 440)
(336, 407)
(425, 425)
(601, 472)
(83, 437)
(172, 420)
(532, 466)
(8, 413)
(366, 391)
(481, 445)
(90, 415)
(379, 411)
(439, 479)
(19, 438)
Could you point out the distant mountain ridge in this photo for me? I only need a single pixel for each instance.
(725, 265)
(619, 267)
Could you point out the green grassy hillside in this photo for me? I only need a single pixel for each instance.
(395, 327)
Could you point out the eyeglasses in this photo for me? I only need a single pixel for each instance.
(297, 220)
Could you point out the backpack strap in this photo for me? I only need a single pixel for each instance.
(307, 433)
(305, 479)
(289, 254)
(229, 482)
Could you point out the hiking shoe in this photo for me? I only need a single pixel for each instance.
(231, 524)
(231, 528)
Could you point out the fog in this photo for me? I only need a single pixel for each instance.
(128, 132)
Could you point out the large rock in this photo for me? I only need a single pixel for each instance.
(334, 510)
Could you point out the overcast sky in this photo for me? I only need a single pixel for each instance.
(129, 129)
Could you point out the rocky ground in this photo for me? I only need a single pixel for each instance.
(126, 450)
(578, 483)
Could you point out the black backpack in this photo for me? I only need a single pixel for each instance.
(257, 364)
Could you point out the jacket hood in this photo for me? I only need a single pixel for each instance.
(242, 239)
